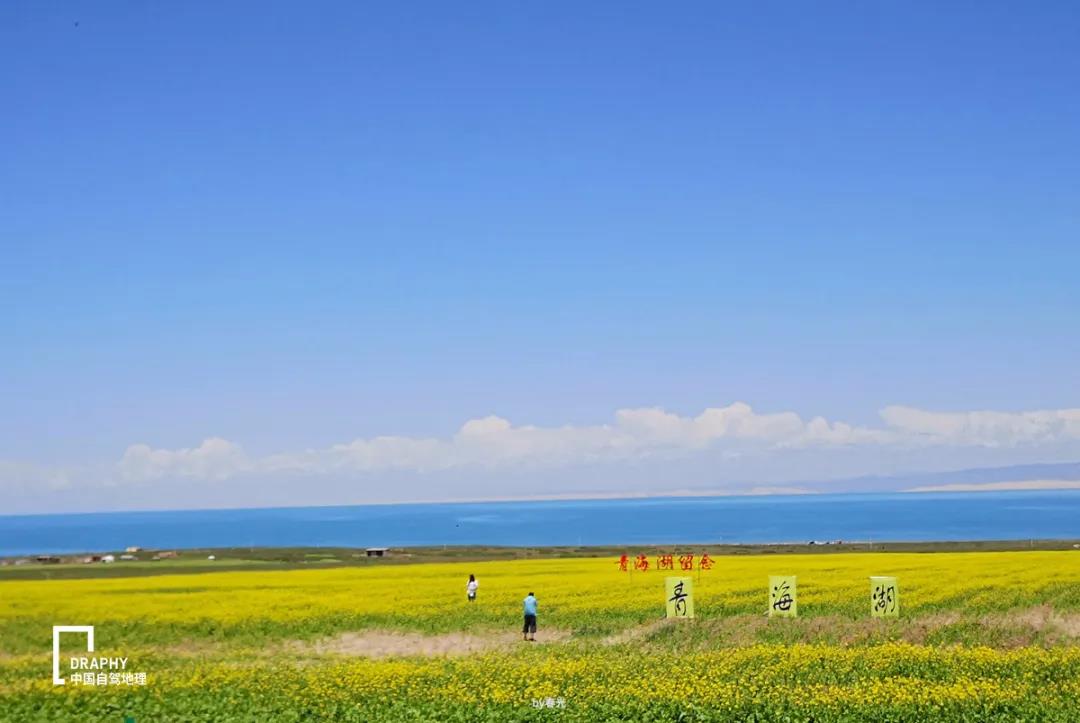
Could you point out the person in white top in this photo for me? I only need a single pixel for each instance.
(470, 588)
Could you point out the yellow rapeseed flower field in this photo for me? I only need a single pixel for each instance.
(982, 636)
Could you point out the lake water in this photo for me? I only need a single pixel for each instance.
(877, 517)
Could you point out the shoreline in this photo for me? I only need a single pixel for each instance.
(222, 559)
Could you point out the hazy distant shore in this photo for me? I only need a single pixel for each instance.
(1047, 485)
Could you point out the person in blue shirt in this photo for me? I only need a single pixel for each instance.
(530, 618)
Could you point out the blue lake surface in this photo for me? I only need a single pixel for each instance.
(849, 517)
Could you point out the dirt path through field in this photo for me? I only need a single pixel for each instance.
(385, 644)
(1032, 626)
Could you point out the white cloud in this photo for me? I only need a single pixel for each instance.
(984, 428)
(728, 448)
(214, 459)
(494, 442)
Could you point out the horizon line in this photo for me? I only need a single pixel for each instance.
(758, 491)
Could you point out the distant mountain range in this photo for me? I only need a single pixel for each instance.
(1051, 476)
(1063, 475)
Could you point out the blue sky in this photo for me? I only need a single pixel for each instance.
(288, 228)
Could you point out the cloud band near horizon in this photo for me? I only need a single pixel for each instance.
(493, 442)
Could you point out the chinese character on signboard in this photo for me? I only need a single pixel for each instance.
(782, 600)
(884, 597)
(679, 597)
